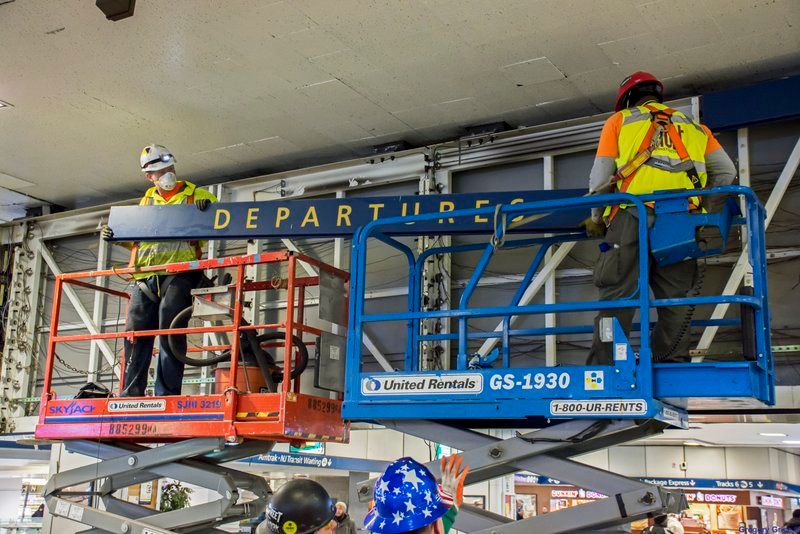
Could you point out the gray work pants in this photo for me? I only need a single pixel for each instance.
(616, 274)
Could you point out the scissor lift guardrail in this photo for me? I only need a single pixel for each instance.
(198, 431)
(632, 398)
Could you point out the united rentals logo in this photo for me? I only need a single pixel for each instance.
(422, 385)
(137, 406)
(72, 408)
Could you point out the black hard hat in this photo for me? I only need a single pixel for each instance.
(300, 506)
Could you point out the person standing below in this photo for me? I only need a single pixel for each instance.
(664, 524)
(157, 297)
(793, 525)
(408, 499)
(301, 506)
(646, 147)
(344, 525)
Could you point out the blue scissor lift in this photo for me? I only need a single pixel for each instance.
(563, 411)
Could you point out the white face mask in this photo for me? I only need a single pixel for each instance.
(167, 181)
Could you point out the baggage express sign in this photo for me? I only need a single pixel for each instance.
(396, 384)
(335, 217)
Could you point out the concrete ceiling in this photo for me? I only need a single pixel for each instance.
(249, 86)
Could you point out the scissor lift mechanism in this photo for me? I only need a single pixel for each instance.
(635, 398)
(198, 432)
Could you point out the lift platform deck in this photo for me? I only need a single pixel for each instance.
(489, 387)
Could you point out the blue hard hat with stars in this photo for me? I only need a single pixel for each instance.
(406, 498)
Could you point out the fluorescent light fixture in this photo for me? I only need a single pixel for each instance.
(791, 441)
(772, 434)
(692, 443)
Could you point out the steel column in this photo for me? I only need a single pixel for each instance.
(20, 355)
(98, 306)
(550, 283)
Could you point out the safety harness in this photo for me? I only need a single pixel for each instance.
(162, 287)
(660, 123)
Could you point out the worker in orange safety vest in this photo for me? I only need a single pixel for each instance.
(645, 147)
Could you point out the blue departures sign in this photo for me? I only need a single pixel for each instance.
(330, 217)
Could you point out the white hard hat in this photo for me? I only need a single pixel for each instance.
(156, 157)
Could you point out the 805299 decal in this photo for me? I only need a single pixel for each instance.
(131, 429)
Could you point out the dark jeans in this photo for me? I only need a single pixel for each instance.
(144, 314)
(616, 274)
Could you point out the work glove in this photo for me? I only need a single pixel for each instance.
(451, 489)
(202, 203)
(593, 229)
(106, 232)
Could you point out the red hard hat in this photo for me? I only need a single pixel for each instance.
(637, 78)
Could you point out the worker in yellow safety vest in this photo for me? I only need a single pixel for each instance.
(158, 297)
(645, 147)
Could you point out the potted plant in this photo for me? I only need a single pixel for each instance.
(174, 496)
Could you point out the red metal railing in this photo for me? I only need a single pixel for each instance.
(293, 322)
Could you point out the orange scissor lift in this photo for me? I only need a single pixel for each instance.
(140, 439)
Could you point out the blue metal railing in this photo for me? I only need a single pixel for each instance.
(753, 221)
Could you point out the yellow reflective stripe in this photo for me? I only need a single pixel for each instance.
(634, 115)
(163, 252)
(699, 166)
